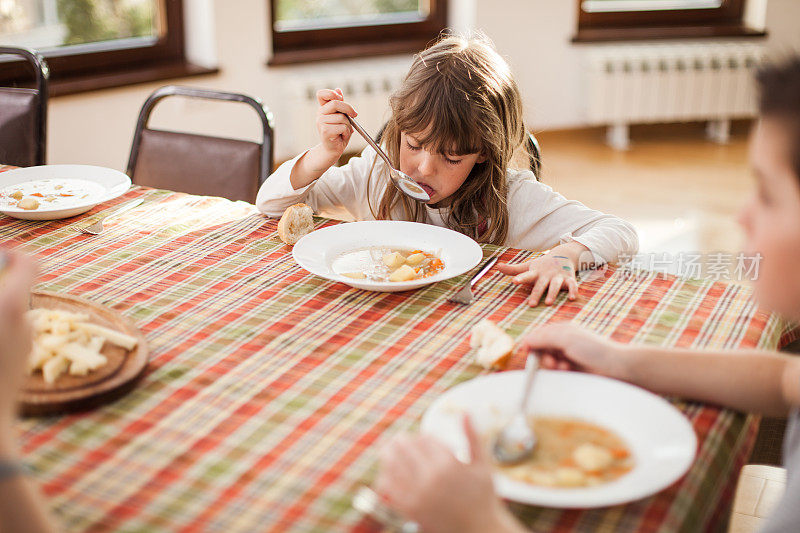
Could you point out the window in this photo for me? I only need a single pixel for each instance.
(90, 44)
(51, 24)
(607, 6)
(600, 20)
(305, 30)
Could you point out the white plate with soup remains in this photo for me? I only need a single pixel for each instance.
(601, 442)
(51, 192)
(386, 256)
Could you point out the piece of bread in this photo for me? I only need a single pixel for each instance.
(493, 346)
(296, 222)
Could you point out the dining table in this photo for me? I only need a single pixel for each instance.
(270, 391)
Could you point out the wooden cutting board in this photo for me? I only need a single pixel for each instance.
(78, 393)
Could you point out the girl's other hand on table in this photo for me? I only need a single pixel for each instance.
(549, 274)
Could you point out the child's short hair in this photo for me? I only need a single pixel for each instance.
(780, 99)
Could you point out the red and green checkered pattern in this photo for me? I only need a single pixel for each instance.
(270, 390)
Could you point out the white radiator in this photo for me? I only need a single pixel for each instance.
(637, 84)
(367, 90)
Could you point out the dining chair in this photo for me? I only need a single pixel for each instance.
(532, 150)
(758, 491)
(23, 114)
(200, 164)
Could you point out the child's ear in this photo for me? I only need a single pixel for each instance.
(482, 157)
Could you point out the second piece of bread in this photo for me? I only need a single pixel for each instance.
(493, 345)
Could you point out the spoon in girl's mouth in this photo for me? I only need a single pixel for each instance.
(403, 182)
(427, 188)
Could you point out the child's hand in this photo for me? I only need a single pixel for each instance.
(567, 346)
(551, 273)
(422, 480)
(333, 127)
(334, 131)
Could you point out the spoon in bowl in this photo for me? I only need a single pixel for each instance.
(402, 181)
(516, 441)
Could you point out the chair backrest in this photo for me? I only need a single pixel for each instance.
(532, 149)
(200, 164)
(23, 115)
(534, 155)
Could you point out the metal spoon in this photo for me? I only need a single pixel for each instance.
(516, 440)
(402, 181)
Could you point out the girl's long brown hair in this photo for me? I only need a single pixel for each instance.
(459, 97)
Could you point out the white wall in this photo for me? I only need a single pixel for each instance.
(783, 25)
(534, 35)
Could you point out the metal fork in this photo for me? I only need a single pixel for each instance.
(97, 227)
(465, 296)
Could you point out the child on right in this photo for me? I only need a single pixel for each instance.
(421, 479)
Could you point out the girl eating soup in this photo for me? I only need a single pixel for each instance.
(456, 122)
(423, 481)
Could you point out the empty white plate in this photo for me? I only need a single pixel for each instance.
(91, 185)
(661, 439)
(317, 251)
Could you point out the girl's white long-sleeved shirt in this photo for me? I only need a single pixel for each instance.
(539, 217)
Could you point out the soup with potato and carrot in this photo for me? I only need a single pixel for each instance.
(387, 264)
(571, 453)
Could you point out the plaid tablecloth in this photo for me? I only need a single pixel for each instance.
(270, 390)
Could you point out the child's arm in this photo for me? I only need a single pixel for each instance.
(542, 218)
(748, 380)
(578, 238)
(338, 190)
(340, 193)
(334, 132)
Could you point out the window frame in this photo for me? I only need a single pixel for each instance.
(300, 46)
(726, 20)
(92, 66)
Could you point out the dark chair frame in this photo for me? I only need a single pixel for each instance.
(534, 155)
(267, 121)
(42, 73)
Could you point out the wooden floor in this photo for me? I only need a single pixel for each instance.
(681, 191)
